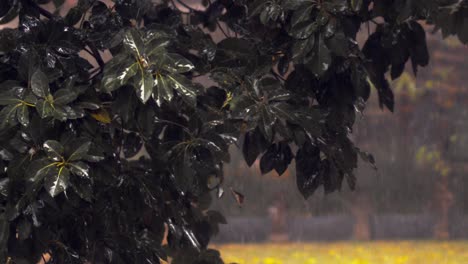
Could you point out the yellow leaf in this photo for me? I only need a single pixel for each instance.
(102, 116)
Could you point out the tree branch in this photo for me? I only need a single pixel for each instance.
(95, 53)
(41, 10)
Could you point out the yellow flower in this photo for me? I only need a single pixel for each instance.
(271, 261)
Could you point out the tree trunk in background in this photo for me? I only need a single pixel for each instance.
(278, 217)
(443, 200)
(361, 210)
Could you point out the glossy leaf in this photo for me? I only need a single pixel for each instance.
(64, 96)
(308, 177)
(321, 59)
(133, 42)
(40, 84)
(79, 168)
(175, 63)
(254, 144)
(162, 90)
(183, 87)
(144, 86)
(12, 13)
(8, 116)
(80, 152)
(118, 71)
(23, 115)
(54, 150)
(57, 181)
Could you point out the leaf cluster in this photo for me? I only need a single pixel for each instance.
(99, 156)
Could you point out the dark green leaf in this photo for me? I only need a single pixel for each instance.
(267, 162)
(9, 40)
(64, 112)
(4, 234)
(321, 60)
(40, 84)
(183, 87)
(308, 176)
(216, 217)
(84, 189)
(54, 150)
(12, 13)
(118, 71)
(144, 86)
(295, 4)
(266, 122)
(4, 183)
(64, 96)
(157, 46)
(57, 181)
(163, 90)
(38, 169)
(418, 48)
(80, 152)
(175, 63)
(133, 42)
(74, 16)
(7, 99)
(79, 168)
(8, 116)
(254, 144)
(24, 229)
(23, 115)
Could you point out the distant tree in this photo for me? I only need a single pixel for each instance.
(287, 72)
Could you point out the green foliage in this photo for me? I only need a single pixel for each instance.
(289, 76)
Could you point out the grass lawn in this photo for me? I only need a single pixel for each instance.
(381, 252)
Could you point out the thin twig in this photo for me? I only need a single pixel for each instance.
(96, 54)
(221, 28)
(278, 76)
(186, 6)
(41, 10)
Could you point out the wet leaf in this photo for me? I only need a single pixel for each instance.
(308, 177)
(64, 96)
(133, 42)
(24, 229)
(183, 87)
(40, 84)
(175, 63)
(267, 120)
(57, 181)
(12, 13)
(320, 61)
(144, 86)
(80, 152)
(54, 150)
(79, 168)
(8, 116)
(44, 108)
(23, 115)
(254, 144)
(216, 217)
(162, 92)
(118, 71)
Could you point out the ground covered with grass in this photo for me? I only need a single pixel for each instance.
(382, 252)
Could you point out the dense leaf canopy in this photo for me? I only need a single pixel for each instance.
(97, 161)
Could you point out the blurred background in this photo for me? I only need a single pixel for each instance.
(418, 191)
